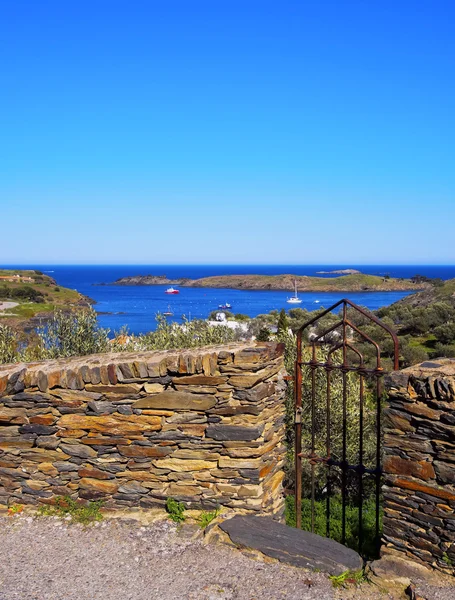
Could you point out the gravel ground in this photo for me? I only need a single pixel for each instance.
(50, 559)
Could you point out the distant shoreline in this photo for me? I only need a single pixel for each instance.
(345, 283)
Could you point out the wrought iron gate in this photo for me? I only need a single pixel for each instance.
(326, 356)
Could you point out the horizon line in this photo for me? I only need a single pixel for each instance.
(223, 264)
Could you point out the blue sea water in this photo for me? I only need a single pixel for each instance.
(137, 306)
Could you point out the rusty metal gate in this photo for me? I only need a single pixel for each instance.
(322, 358)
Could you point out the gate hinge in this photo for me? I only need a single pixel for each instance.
(298, 415)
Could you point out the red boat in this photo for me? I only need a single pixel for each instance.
(172, 290)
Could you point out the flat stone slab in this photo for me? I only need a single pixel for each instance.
(291, 546)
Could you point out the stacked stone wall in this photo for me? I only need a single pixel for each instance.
(203, 426)
(419, 491)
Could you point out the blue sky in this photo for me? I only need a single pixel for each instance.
(235, 131)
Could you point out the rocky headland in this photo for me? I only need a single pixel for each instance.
(29, 297)
(431, 294)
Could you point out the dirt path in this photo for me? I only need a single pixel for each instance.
(49, 559)
(7, 306)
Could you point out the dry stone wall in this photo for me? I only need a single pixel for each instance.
(419, 491)
(203, 426)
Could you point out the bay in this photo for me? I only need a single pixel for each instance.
(136, 306)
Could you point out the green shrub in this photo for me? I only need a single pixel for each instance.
(445, 333)
(263, 335)
(74, 333)
(447, 350)
(26, 293)
(241, 317)
(191, 334)
(175, 510)
(8, 345)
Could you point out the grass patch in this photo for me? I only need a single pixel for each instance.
(426, 342)
(369, 549)
(205, 518)
(348, 578)
(80, 513)
(29, 309)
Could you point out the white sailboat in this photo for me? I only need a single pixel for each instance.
(294, 299)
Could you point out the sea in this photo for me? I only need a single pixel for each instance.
(136, 307)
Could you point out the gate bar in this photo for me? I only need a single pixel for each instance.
(313, 363)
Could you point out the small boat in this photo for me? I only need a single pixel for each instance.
(168, 312)
(294, 299)
(225, 306)
(172, 290)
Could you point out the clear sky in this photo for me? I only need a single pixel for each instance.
(230, 131)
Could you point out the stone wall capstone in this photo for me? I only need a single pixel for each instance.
(419, 464)
(205, 426)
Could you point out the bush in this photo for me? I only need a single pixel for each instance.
(76, 333)
(447, 350)
(191, 334)
(175, 510)
(412, 355)
(25, 292)
(263, 335)
(73, 333)
(8, 345)
(241, 317)
(445, 333)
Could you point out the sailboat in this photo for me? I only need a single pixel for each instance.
(294, 299)
(168, 312)
(226, 306)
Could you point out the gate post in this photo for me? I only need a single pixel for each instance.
(298, 432)
(419, 464)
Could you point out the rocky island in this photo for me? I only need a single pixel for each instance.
(339, 272)
(355, 282)
(147, 280)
